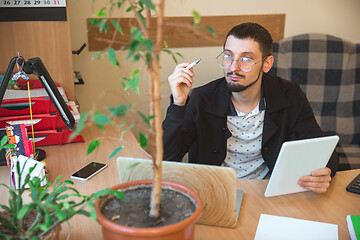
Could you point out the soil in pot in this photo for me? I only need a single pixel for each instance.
(133, 211)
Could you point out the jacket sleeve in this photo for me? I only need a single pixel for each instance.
(307, 127)
(179, 131)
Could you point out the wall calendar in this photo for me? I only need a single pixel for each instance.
(32, 10)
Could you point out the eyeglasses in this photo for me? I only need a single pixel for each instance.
(226, 58)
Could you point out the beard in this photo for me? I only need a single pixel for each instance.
(233, 86)
(236, 87)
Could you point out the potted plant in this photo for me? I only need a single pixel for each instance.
(140, 48)
(42, 216)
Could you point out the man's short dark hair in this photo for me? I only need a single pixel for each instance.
(255, 32)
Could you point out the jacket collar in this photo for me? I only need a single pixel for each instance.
(219, 101)
(275, 97)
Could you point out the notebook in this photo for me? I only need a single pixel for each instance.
(272, 227)
(296, 159)
(353, 223)
(215, 185)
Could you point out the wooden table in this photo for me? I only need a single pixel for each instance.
(331, 207)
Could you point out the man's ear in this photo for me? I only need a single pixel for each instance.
(268, 62)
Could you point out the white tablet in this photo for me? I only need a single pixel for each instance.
(296, 159)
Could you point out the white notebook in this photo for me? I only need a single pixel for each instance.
(283, 228)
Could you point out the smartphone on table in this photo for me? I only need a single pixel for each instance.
(88, 171)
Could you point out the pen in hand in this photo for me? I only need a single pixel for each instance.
(193, 64)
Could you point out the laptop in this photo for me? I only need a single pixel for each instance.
(215, 185)
(296, 159)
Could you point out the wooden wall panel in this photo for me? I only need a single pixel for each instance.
(51, 41)
(177, 36)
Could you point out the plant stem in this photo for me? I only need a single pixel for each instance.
(155, 78)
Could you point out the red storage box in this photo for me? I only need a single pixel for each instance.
(40, 121)
(54, 137)
(20, 106)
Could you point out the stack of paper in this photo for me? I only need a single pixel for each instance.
(25, 164)
(284, 228)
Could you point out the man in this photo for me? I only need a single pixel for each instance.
(242, 119)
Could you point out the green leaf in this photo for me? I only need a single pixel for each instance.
(80, 125)
(9, 146)
(135, 72)
(119, 194)
(117, 26)
(174, 58)
(172, 55)
(136, 58)
(133, 84)
(96, 56)
(102, 25)
(129, 9)
(141, 6)
(119, 111)
(179, 54)
(166, 44)
(197, 17)
(93, 22)
(23, 211)
(146, 119)
(112, 57)
(116, 151)
(134, 46)
(119, 3)
(148, 58)
(211, 30)
(148, 4)
(4, 140)
(143, 21)
(43, 227)
(106, 28)
(136, 33)
(101, 13)
(149, 45)
(101, 119)
(62, 197)
(143, 140)
(56, 181)
(130, 53)
(125, 130)
(94, 144)
(134, 165)
(6, 208)
(60, 214)
(83, 212)
(69, 182)
(43, 194)
(92, 211)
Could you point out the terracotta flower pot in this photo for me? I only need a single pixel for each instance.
(181, 230)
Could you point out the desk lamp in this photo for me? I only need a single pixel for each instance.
(35, 66)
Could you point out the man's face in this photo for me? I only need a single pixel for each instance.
(235, 77)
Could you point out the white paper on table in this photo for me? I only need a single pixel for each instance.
(283, 228)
